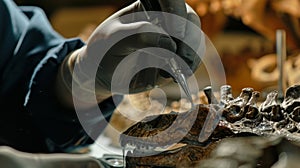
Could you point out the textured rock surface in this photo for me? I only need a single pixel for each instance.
(241, 116)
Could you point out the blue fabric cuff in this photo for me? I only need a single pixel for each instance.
(60, 126)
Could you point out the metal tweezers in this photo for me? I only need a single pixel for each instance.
(181, 79)
(175, 68)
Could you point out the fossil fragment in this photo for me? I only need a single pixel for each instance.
(234, 110)
(241, 118)
(226, 94)
(210, 96)
(292, 99)
(270, 108)
(251, 108)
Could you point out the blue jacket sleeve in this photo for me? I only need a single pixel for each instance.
(30, 55)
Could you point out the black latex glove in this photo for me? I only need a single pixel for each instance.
(107, 36)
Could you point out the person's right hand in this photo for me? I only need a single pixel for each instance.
(144, 33)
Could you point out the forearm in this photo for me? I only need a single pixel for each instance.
(65, 82)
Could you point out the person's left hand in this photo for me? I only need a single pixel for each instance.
(11, 158)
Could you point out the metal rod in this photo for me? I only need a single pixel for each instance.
(281, 58)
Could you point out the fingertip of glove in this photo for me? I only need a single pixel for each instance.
(167, 43)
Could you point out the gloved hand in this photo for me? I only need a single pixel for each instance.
(126, 32)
